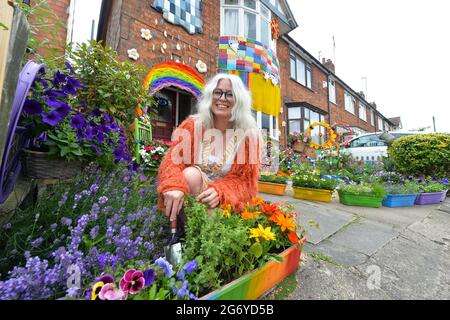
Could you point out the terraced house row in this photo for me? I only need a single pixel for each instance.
(180, 40)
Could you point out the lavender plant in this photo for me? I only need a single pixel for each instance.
(102, 221)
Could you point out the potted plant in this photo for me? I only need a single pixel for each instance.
(363, 194)
(152, 155)
(298, 141)
(65, 136)
(273, 184)
(400, 195)
(310, 186)
(431, 192)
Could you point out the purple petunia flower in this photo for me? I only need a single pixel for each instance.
(53, 102)
(149, 277)
(96, 112)
(78, 121)
(71, 86)
(69, 66)
(52, 118)
(59, 78)
(32, 107)
(53, 94)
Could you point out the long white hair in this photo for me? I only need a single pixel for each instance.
(241, 114)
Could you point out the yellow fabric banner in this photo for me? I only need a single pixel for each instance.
(266, 97)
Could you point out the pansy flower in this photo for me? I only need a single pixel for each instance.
(110, 292)
(132, 282)
(105, 279)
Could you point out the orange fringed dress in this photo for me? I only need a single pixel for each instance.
(237, 187)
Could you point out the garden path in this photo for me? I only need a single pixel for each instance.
(372, 253)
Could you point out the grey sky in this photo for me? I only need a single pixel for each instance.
(401, 46)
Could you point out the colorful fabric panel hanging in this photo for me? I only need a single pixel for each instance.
(187, 13)
(244, 54)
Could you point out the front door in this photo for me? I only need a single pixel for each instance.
(173, 107)
(164, 122)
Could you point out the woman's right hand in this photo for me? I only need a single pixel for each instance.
(173, 201)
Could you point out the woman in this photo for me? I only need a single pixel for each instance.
(214, 154)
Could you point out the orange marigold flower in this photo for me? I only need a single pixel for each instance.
(257, 201)
(285, 222)
(249, 214)
(293, 237)
(270, 209)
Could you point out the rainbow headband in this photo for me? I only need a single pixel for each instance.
(174, 74)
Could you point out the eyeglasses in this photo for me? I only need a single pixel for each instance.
(228, 94)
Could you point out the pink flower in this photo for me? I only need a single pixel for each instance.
(132, 282)
(110, 292)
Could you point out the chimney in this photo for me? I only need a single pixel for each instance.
(328, 64)
(374, 105)
(361, 94)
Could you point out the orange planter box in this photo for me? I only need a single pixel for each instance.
(253, 285)
(272, 188)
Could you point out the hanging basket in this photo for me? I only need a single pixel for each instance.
(39, 165)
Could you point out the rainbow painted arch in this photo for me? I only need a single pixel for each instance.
(175, 74)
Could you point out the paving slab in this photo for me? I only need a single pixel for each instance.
(435, 227)
(320, 280)
(413, 267)
(338, 253)
(365, 236)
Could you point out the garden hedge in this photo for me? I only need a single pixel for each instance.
(423, 154)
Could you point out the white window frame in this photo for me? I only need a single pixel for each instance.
(274, 134)
(349, 102)
(372, 118)
(241, 13)
(308, 68)
(332, 86)
(362, 111)
(380, 124)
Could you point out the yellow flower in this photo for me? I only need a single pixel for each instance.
(96, 290)
(261, 232)
(226, 213)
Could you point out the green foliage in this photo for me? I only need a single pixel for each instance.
(273, 178)
(424, 154)
(432, 186)
(313, 181)
(112, 86)
(408, 187)
(373, 189)
(43, 44)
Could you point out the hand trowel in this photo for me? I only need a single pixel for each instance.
(172, 251)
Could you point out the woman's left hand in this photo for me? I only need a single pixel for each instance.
(210, 197)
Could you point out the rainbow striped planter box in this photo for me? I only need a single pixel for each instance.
(253, 285)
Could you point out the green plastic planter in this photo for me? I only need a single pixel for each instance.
(360, 200)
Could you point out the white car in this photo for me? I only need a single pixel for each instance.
(372, 147)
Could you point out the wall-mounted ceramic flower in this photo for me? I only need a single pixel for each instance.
(274, 80)
(266, 76)
(164, 46)
(201, 66)
(133, 54)
(165, 33)
(146, 34)
(178, 47)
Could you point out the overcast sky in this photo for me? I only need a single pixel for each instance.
(401, 46)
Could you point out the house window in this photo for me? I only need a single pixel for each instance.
(84, 17)
(332, 90)
(300, 71)
(267, 122)
(247, 18)
(349, 102)
(300, 118)
(372, 118)
(380, 124)
(362, 111)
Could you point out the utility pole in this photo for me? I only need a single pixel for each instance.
(434, 125)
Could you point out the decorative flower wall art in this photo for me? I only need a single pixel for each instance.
(201, 66)
(146, 34)
(133, 54)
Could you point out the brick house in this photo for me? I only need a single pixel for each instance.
(290, 88)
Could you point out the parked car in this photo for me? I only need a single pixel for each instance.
(372, 146)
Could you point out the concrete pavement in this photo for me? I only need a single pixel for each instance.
(373, 253)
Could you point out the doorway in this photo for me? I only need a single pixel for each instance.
(173, 106)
